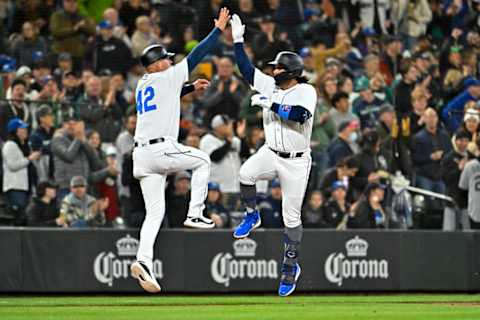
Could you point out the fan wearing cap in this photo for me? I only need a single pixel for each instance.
(271, 207)
(288, 104)
(345, 144)
(267, 42)
(156, 150)
(453, 113)
(16, 108)
(471, 125)
(226, 149)
(81, 210)
(452, 166)
(214, 208)
(40, 141)
(18, 177)
(109, 52)
(336, 208)
(369, 213)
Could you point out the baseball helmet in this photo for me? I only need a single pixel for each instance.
(291, 62)
(154, 53)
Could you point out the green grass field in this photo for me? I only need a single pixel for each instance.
(299, 307)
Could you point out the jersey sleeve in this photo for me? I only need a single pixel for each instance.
(263, 83)
(180, 73)
(308, 98)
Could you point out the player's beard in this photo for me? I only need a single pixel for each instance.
(281, 78)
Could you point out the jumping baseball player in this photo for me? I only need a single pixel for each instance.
(288, 104)
(156, 150)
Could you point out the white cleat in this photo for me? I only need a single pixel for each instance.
(199, 223)
(145, 277)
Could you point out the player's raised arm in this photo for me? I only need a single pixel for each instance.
(244, 64)
(209, 42)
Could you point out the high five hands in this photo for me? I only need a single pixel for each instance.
(223, 18)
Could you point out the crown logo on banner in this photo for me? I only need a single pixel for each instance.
(245, 248)
(127, 246)
(356, 247)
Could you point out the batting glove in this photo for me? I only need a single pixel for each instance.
(238, 29)
(261, 101)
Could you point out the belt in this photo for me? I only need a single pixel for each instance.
(149, 142)
(287, 154)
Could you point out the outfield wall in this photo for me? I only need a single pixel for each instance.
(49, 260)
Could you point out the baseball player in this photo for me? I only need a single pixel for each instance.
(288, 104)
(156, 150)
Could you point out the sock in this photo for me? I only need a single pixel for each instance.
(249, 197)
(292, 240)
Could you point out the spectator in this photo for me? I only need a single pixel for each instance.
(130, 12)
(323, 132)
(106, 188)
(65, 64)
(177, 200)
(374, 14)
(29, 45)
(226, 151)
(415, 118)
(271, 207)
(40, 140)
(336, 209)
(143, 36)
(341, 110)
(269, 42)
(452, 114)
(72, 156)
(327, 86)
(18, 171)
(134, 213)
(429, 146)
(469, 180)
(15, 108)
(108, 52)
(70, 31)
(452, 166)
(411, 19)
(104, 116)
(369, 160)
(42, 210)
(312, 213)
(345, 170)
(390, 59)
(225, 92)
(119, 30)
(367, 105)
(71, 91)
(404, 88)
(368, 213)
(471, 125)
(124, 145)
(345, 144)
(214, 208)
(81, 210)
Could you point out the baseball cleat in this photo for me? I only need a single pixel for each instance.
(288, 281)
(250, 222)
(145, 277)
(199, 223)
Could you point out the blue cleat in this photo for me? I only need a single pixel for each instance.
(250, 222)
(288, 281)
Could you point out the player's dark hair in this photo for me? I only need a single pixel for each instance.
(302, 79)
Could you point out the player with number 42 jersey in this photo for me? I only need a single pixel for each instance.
(156, 151)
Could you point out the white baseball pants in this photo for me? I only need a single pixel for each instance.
(151, 165)
(293, 176)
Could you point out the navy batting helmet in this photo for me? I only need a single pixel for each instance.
(290, 61)
(154, 53)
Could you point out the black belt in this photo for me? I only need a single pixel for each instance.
(287, 154)
(152, 141)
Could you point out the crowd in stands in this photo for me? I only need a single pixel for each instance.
(398, 90)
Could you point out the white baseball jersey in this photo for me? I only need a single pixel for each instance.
(158, 103)
(282, 135)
